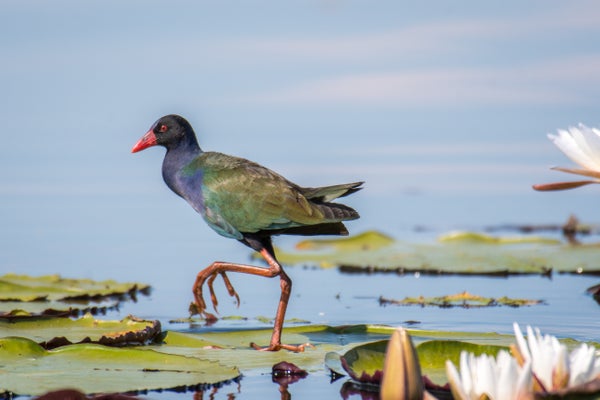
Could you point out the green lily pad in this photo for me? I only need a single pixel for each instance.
(28, 369)
(464, 253)
(476, 237)
(15, 287)
(232, 347)
(12, 310)
(464, 300)
(54, 332)
(369, 240)
(364, 363)
(73, 394)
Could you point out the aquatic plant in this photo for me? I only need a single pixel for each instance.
(582, 145)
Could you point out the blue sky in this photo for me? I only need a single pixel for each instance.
(440, 106)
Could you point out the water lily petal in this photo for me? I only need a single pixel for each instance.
(486, 382)
(589, 141)
(465, 373)
(546, 187)
(488, 377)
(561, 372)
(574, 144)
(578, 171)
(456, 385)
(524, 384)
(524, 353)
(508, 374)
(583, 364)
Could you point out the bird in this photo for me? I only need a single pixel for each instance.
(243, 200)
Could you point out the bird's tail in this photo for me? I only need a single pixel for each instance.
(334, 212)
(325, 194)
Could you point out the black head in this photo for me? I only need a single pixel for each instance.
(169, 131)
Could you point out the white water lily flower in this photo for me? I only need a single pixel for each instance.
(553, 367)
(585, 366)
(582, 145)
(484, 376)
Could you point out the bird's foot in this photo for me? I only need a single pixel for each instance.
(228, 286)
(279, 346)
(195, 310)
(199, 303)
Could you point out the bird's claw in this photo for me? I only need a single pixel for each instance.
(276, 347)
(199, 298)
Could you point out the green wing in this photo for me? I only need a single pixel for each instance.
(250, 198)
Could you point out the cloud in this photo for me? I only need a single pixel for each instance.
(437, 63)
(423, 39)
(565, 81)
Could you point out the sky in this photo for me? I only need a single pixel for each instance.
(441, 107)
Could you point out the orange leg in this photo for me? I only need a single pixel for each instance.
(274, 270)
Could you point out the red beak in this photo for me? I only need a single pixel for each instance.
(148, 140)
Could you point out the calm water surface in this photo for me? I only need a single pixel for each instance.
(134, 238)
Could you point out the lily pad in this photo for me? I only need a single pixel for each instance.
(460, 253)
(369, 240)
(12, 310)
(364, 363)
(232, 347)
(15, 287)
(28, 369)
(477, 237)
(54, 332)
(464, 300)
(71, 394)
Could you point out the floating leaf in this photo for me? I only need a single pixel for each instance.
(54, 287)
(54, 332)
(233, 347)
(11, 310)
(28, 369)
(476, 237)
(465, 254)
(72, 394)
(369, 240)
(364, 363)
(464, 300)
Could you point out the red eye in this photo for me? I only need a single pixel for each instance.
(163, 128)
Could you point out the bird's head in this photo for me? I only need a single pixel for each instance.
(168, 131)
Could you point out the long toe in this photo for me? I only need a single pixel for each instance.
(230, 288)
(276, 347)
(213, 296)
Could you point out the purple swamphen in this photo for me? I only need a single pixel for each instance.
(245, 201)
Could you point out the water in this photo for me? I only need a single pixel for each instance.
(334, 298)
(144, 233)
(147, 234)
(327, 296)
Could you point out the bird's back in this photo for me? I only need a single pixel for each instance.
(240, 196)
